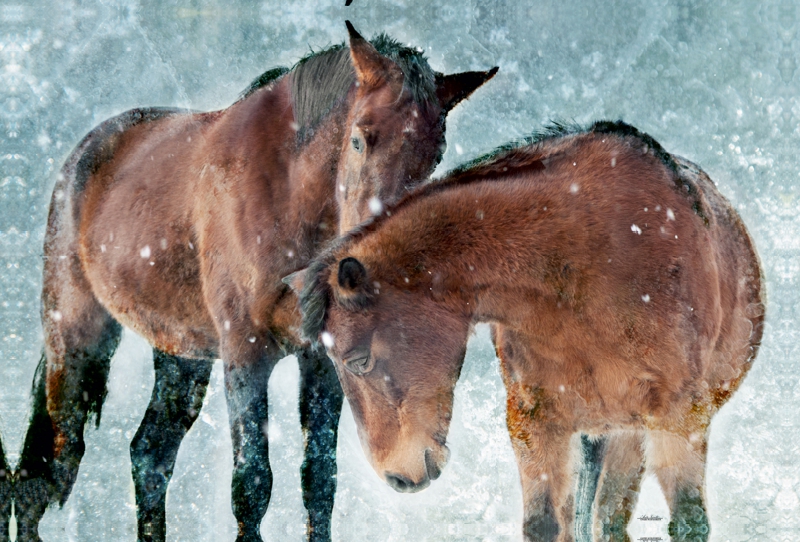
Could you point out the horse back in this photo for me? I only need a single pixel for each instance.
(97, 148)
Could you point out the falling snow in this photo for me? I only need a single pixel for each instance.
(717, 83)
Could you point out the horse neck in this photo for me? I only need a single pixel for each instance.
(474, 248)
(302, 174)
(314, 171)
(267, 119)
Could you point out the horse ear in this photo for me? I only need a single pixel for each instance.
(296, 281)
(352, 274)
(451, 89)
(372, 68)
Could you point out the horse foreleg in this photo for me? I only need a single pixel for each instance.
(543, 452)
(618, 490)
(320, 405)
(178, 393)
(246, 375)
(545, 473)
(679, 461)
(592, 452)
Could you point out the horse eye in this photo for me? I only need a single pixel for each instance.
(358, 144)
(359, 366)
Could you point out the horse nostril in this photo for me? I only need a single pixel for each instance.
(430, 465)
(405, 485)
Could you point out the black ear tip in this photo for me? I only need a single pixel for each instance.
(352, 30)
(491, 72)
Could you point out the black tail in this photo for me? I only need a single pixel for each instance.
(37, 452)
(33, 479)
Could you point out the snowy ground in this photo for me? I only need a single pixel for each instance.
(714, 81)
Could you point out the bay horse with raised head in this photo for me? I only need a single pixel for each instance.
(625, 298)
(180, 226)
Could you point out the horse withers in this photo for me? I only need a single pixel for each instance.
(180, 226)
(625, 298)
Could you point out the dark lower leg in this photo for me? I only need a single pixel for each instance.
(246, 391)
(689, 521)
(618, 489)
(320, 405)
(5, 496)
(592, 452)
(541, 523)
(178, 393)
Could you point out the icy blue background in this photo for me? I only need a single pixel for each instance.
(714, 81)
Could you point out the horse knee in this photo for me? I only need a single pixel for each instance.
(141, 450)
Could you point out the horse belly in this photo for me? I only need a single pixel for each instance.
(170, 316)
(596, 384)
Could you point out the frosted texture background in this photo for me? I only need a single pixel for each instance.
(714, 81)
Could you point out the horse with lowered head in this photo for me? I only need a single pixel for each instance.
(625, 300)
(180, 226)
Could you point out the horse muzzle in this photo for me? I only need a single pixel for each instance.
(434, 461)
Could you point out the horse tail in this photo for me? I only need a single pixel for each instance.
(33, 479)
(37, 450)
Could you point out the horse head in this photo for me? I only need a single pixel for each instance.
(398, 357)
(394, 133)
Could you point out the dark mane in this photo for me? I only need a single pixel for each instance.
(557, 130)
(322, 78)
(525, 153)
(263, 80)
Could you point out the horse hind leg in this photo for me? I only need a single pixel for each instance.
(69, 386)
(592, 453)
(321, 400)
(679, 461)
(178, 393)
(618, 489)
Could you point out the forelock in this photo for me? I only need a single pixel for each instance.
(418, 76)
